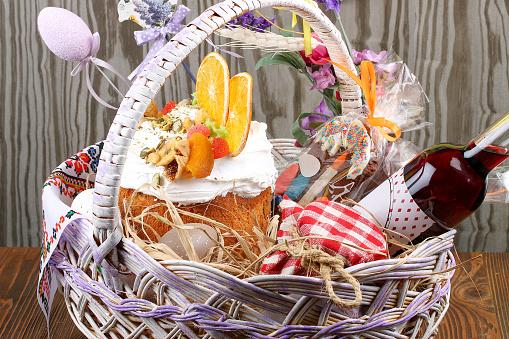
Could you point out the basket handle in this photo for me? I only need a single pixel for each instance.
(153, 76)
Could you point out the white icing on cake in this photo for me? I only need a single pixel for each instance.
(246, 175)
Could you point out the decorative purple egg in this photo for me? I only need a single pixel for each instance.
(65, 33)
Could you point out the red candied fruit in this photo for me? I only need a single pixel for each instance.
(200, 128)
(220, 148)
(168, 108)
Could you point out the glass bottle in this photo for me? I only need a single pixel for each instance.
(440, 187)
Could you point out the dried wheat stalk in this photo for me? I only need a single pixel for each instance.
(266, 41)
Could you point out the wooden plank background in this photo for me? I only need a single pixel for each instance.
(458, 49)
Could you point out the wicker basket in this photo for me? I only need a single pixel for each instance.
(401, 298)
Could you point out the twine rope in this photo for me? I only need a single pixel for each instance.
(325, 265)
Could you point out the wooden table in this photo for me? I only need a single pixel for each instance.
(479, 301)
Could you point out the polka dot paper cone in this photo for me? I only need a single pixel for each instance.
(393, 206)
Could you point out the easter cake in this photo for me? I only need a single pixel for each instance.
(211, 164)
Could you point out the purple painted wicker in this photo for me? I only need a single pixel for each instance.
(113, 289)
(178, 297)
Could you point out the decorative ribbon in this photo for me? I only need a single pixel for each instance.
(367, 83)
(158, 34)
(216, 48)
(85, 64)
(307, 32)
(308, 49)
(305, 28)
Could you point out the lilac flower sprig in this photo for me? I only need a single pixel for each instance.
(251, 22)
(331, 4)
(154, 12)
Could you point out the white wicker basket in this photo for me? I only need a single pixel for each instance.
(185, 299)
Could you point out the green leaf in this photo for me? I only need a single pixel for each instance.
(287, 34)
(297, 59)
(291, 59)
(330, 100)
(299, 134)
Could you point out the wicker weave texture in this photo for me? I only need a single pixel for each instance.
(178, 298)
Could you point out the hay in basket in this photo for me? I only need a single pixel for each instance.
(118, 286)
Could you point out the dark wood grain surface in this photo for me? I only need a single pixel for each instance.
(479, 300)
(20, 314)
(457, 49)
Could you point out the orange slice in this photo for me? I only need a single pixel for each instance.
(240, 111)
(212, 82)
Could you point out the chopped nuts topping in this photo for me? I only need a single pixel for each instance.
(172, 153)
(168, 157)
(146, 151)
(153, 158)
(176, 168)
(156, 180)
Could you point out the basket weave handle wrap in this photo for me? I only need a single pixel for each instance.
(151, 79)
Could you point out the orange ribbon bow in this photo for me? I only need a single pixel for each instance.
(367, 83)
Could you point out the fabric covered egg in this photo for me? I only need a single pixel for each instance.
(65, 33)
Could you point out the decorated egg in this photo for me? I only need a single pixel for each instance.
(201, 242)
(65, 33)
(83, 203)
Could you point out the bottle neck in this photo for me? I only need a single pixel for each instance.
(489, 148)
(484, 159)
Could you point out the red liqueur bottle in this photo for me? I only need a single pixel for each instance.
(440, 187)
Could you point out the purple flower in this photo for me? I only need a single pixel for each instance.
(366, 54)
(315, 119)
(331, 4)
(249, 21)
(323, 77)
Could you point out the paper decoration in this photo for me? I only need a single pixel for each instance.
(393, 206)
